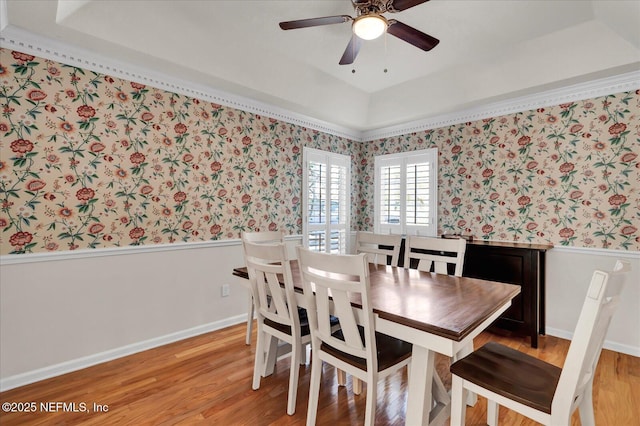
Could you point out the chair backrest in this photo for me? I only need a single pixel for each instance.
(436, 253)
(579, 367)
(263, 237)
(337, 280)
(370, 243)
(266, 263)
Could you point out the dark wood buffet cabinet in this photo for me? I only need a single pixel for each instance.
(513, 263)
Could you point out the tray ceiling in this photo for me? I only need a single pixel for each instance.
(489, 50)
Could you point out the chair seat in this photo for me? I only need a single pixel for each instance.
(304, 323)
(512, 374)
(390, 351)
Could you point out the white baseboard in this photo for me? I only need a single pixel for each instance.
(616, 347)
(90, 360)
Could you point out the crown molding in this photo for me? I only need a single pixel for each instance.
(16, 38)
(4, 21)
(570, 93)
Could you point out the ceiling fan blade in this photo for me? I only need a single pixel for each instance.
(411, 35)
(314, 22)
(399, 5)
(351, 51)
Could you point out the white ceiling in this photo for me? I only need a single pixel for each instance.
(489, 50)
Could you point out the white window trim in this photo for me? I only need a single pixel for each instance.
(328, 158)
(403, 158)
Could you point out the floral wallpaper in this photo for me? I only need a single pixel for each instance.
(92, 161)
(566, 175)
(88, 161)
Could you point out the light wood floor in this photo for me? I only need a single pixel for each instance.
(207, 380)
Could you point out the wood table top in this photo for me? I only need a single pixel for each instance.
(444, 305)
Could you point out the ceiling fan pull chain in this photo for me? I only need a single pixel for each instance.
(353, 55)
(385, 53)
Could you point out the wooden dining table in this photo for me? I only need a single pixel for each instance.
(437, 314)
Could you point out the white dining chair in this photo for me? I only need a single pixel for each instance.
(330, 283)
(379, 247)
(262, 237)
(276, 309)
(436, 253)
(535, 388)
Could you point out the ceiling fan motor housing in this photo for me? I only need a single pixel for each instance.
(370, 24)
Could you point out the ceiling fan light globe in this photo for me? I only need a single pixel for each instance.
(369, 27)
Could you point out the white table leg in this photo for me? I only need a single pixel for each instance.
(439, 392)
(249, 320)
(274, 349)
(420, 383)
(271, 355)
(441, 407)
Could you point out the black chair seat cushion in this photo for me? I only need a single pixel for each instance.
(512, 374)
(304, 323)
(390, 351)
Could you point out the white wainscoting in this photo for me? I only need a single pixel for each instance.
(568, 276)
(61, 312)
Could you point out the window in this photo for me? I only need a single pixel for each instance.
(326, 201)
(406, 193)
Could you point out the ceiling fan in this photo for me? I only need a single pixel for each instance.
(370, 24)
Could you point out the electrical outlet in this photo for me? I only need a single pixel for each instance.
(224, 290)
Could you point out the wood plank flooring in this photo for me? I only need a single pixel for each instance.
(207, 380)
